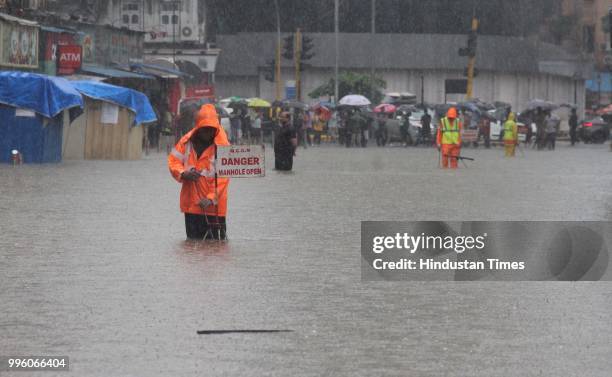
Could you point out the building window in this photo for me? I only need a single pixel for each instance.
(135, 19)
(126, 19)
(130, 7)
(175, 19)
(171, 6)
(165, 20)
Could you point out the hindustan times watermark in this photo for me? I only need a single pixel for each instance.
(519, 251)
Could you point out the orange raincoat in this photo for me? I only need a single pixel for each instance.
(184, 158)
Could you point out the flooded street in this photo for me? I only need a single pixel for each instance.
(94, 265)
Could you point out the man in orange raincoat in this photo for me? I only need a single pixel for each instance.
(449, 139)
(203, 197)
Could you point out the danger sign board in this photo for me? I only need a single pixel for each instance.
(241, 161)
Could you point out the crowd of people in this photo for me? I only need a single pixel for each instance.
(352, 126)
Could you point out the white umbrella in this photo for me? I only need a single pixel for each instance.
(354, 100)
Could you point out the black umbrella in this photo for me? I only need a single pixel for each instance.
(442, 109)
(469, 106)
(293, 104)
(534, 104)
(408, 109)
(484, 106)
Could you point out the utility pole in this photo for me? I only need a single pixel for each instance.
(277, 67)
(372, 36)
(423, 90)
(472, 55)
(298, 59)
(336, 31)
(174, 5)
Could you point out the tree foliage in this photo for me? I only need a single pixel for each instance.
(353, 83)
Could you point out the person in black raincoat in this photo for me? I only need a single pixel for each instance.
(285, 144)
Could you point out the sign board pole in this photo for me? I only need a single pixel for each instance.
(216, 185)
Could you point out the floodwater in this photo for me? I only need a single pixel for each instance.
(94, 266)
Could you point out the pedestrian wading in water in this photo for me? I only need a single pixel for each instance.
(203, 197)
(285, 144)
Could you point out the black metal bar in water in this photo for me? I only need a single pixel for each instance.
(220, 332)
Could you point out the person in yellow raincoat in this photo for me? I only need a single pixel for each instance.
(203, 197)
(510, 136)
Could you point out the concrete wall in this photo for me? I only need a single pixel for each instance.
(226, 86)
(516, 89)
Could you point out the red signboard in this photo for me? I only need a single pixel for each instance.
(199, 91)
(69, 58)
(56, 39)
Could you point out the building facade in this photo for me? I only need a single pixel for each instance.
(512, 70)
(175, 32)
(592, 32)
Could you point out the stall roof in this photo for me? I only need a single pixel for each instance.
(20, 21)
(158, 70)
(46, 95)
(115, 73)
(136, 101)
(52, 29)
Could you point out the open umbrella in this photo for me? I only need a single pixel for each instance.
(482, 105)
(258, 102)
(327, 104)
(442, 109)
(385, 108)
(534, 104)
(293, 104)
(322, 111)
(355, 100)
(408, 109)
(469, 106)
(605, 111)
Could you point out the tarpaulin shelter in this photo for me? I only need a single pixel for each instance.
(32, 113)
(111, 128)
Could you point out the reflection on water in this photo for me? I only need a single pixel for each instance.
(205, 248)
(93, 265)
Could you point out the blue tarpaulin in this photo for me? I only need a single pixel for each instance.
(137, 102)
(46, 95)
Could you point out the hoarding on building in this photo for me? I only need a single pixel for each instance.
(199, 91)
(19, 44)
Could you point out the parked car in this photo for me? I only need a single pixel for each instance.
(414, 127)
(595, 130)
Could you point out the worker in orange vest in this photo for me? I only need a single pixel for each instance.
(203, 197)
(449, 139)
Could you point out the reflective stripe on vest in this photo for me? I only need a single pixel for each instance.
(450, 132)
(509, 131)
(208, 173)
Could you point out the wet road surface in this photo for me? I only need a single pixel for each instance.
(93, 265)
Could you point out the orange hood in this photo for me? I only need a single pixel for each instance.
(452, 113)
(208, 117)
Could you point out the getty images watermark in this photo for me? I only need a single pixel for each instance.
(508, 250)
